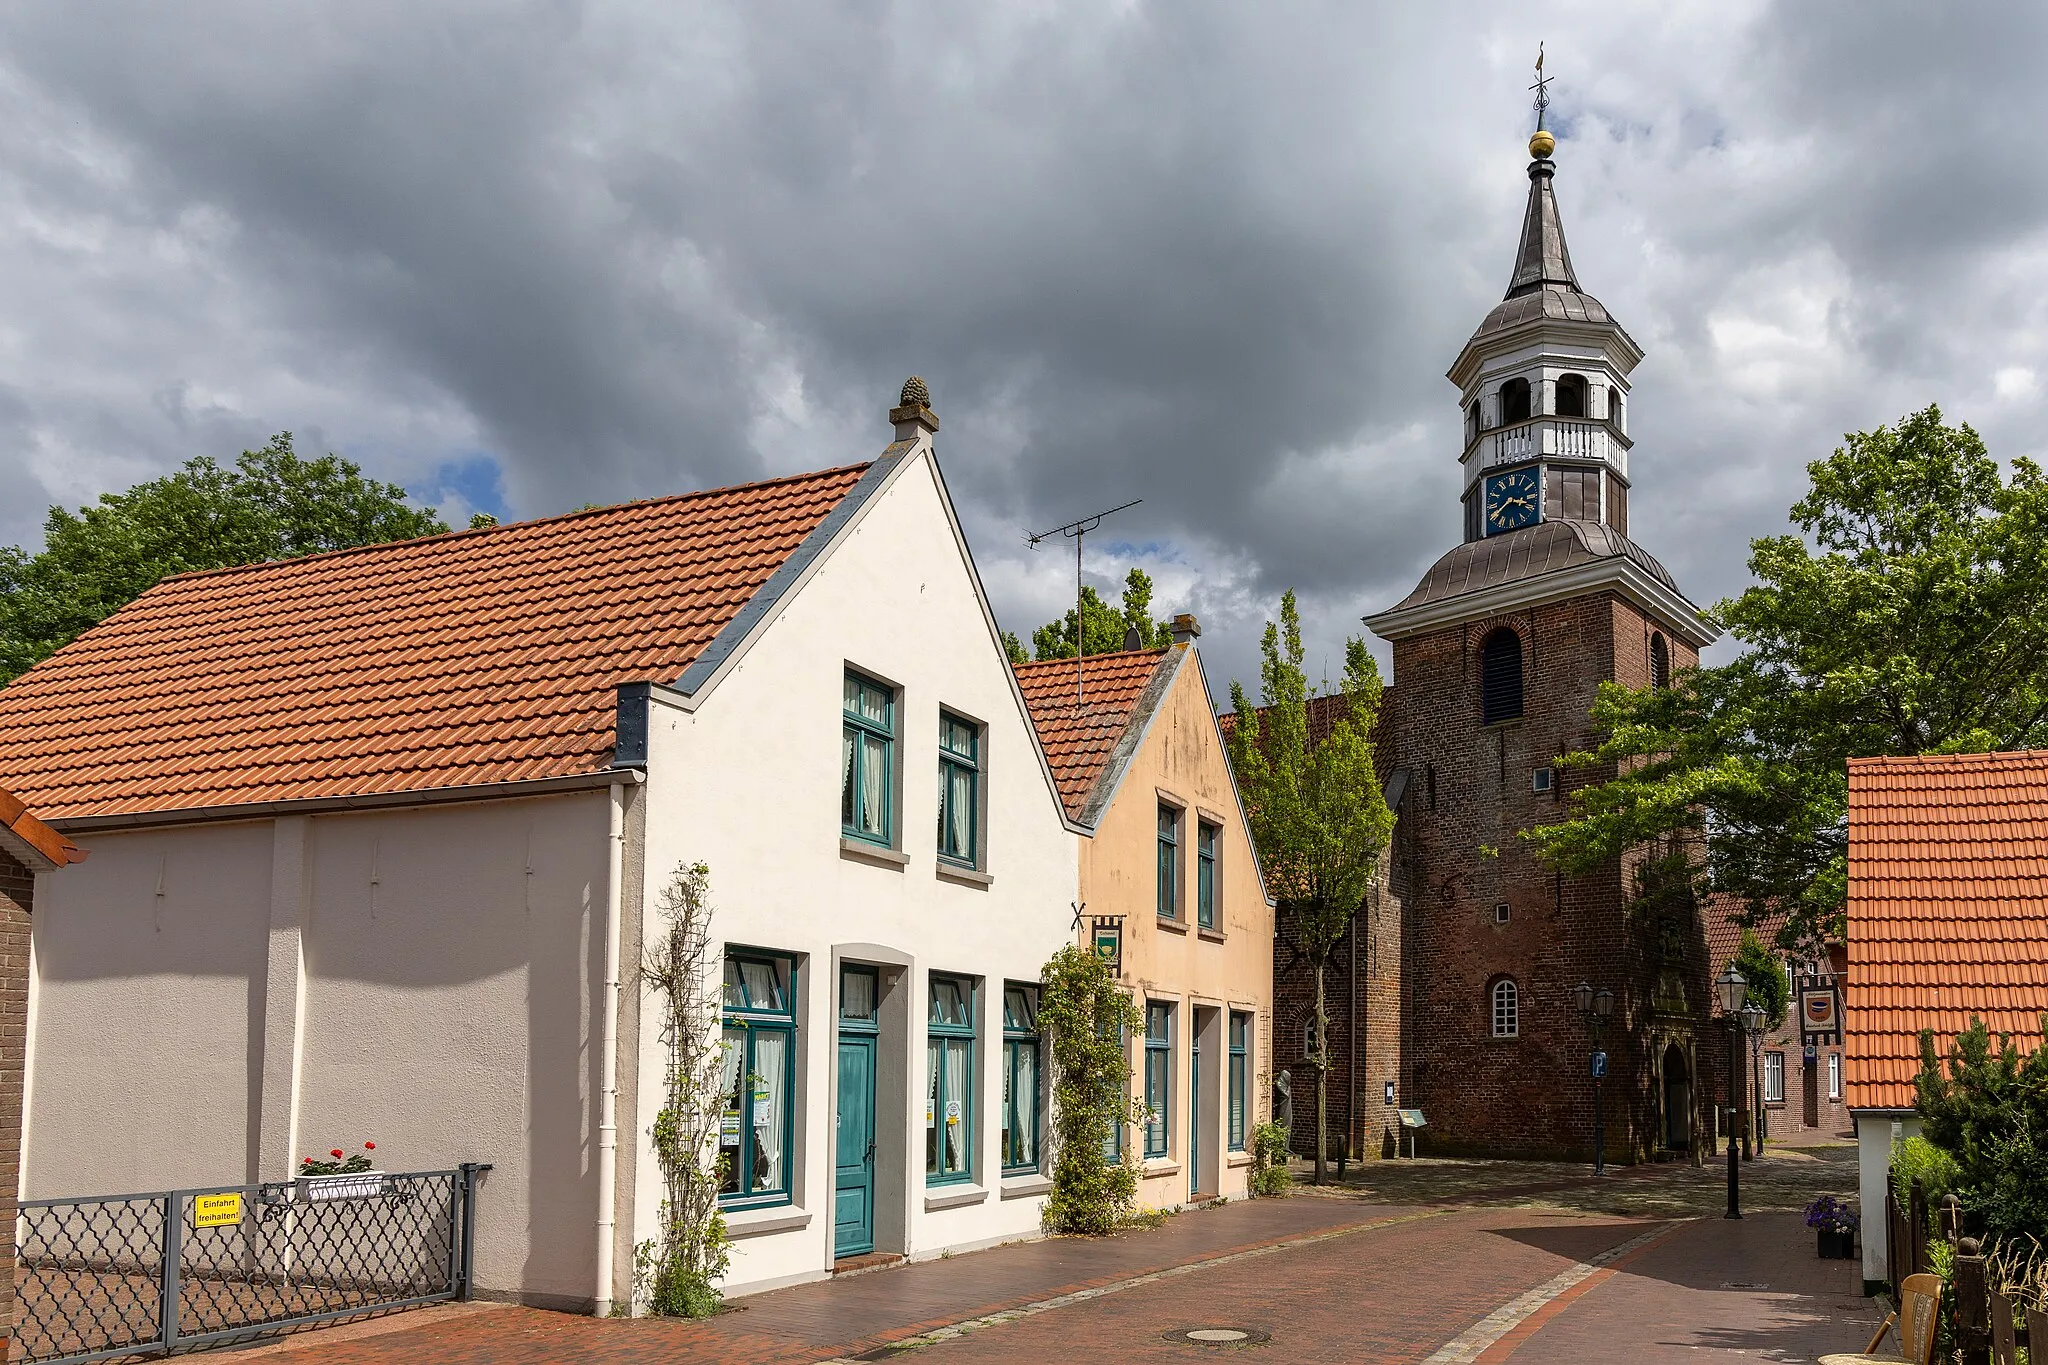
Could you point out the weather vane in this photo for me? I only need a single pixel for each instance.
(1542, 88)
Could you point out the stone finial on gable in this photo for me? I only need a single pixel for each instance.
(913, 413)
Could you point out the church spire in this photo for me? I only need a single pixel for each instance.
(1543, 257)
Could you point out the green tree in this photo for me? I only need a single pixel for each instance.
(1108, 626)
(271, 505)
(1910, 616)
(1014, 647)
(1769, 988)
(1317, 815)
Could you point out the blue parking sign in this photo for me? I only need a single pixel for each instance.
(1599, 1065)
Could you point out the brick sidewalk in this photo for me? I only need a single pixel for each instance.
(1753, 1287)
(817, 1321)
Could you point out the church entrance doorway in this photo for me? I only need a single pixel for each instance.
(1677, 1100)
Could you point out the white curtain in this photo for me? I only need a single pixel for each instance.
(932, 1116)
(874, 768)
(771, 1074)
(958, 1106)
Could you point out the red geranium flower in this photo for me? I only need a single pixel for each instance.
(336, 1154)
(369, 1146)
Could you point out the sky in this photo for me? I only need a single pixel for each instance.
(522, 256)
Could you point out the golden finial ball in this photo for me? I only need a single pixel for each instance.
(1542, 145)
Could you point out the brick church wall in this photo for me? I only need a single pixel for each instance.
(17, 897)
(1470, 791)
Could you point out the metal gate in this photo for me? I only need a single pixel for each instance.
(146, 1275)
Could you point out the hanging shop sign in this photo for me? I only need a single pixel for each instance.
(1820, 1013)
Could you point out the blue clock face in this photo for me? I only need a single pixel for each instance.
(1512, 500)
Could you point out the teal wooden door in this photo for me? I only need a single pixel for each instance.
(853, 1199)
(1194, 1111)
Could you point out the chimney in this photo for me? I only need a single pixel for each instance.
(913, 412)
(1186, 629)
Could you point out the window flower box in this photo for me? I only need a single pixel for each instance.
(316, 1189)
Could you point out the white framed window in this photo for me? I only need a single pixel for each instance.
(1507, 1010)
(1834, 1075)
(1774, 1078)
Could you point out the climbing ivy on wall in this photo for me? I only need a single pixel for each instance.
(1086, 1019)
(677, 1275)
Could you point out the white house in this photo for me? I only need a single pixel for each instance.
(376, 838)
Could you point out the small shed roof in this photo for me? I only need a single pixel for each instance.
(1948, 910)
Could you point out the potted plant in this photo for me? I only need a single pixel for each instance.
(344, 1176)
(1834, 1223)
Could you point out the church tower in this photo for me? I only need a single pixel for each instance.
(1498, 654)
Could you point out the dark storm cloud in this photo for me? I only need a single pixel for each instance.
(1214, 256)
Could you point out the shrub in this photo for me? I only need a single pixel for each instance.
(1918, 1159)
(1270, 1175)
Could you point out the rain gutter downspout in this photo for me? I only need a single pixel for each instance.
(608, 1063)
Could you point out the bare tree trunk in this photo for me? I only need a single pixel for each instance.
(1322, 1063)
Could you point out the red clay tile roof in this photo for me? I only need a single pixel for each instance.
(1724, 933)
(1078, 740)
(37, 835)
(475, 657)
(1948, 910)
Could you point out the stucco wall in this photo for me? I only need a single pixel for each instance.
(749, 783)
(444, 961)
(1203, 974)
(1875, 1134)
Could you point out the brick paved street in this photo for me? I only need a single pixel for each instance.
(1533, 1264)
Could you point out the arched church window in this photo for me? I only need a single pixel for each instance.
(1614, 407)
(1472, 423)
(1514, 401)
(1507, 1009)
(1571, 395)
(1660, 662)
(1500, 677)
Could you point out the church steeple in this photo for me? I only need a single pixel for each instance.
(1543, 383)
(1543, 258)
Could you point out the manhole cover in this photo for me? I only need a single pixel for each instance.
(1218, 1336)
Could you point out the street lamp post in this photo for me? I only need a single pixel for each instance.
(1729, 988)
(1596, 1007)
(1753, 1025)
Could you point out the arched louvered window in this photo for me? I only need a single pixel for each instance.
(1571, 395)
(1514, 401)
(1500, 677)
(1660, 662)
(1507, 1010)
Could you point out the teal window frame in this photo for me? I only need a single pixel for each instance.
(860, 735)
(1240, 1078)
(1113, 1145)
(1207, 836)
(1169, 862)
(1023, 1079)
(943, 1038)
(1158, 1079)
(747, 1021)
(959, 769)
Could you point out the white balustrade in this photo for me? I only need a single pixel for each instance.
(1563, 437)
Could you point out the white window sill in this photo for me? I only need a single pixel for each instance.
(1159, 1165)
(1239, 1159)
(1172, 926)
(1026, 1186)
(953, 1197)
(861, 851)
(743, 1223)
(1212, 935)
(966, 876)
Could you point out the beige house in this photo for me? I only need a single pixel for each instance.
(1169, 877)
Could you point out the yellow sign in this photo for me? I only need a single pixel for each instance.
(216, 1210)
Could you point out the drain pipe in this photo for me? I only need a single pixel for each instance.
(608, 1061)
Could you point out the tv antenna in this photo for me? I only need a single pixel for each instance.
(1076, 531)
